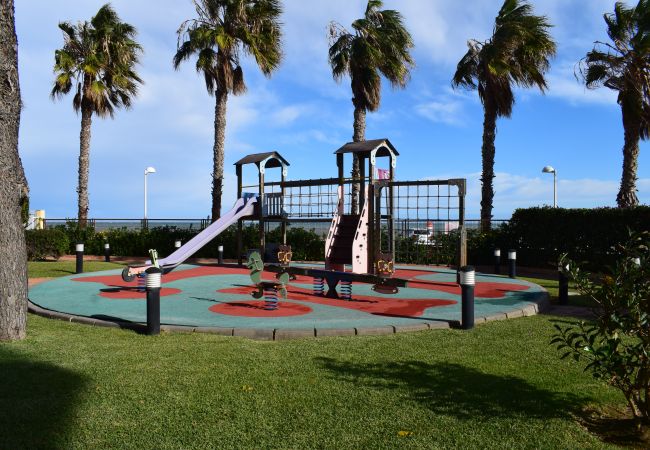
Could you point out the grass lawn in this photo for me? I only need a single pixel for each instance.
(498, 386)
(38, 269)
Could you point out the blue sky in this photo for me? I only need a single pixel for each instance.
(305, 115)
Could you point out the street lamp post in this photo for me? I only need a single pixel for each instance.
(147, 171)
(550, 169)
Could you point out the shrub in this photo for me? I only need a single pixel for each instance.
(617, 346)
(541, 235)
(46, 243)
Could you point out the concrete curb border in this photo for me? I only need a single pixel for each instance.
(282, 334)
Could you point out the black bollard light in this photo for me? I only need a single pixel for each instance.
(220, 249)
(177, 244)
(497, 261)
(563, 284)
(153, 283)
(107, 252)
(512, 263)
(467, 282)
(79, 250)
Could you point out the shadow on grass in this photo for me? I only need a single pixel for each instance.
(454, 390)
(37, 402)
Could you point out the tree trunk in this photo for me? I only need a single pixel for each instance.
(13, 255)
(219, 150)
(359, 136)
(84, 159)
(626, 197)
(487, 174)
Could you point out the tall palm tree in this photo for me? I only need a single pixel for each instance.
(518, 53)
(624, 66)
(379, 45)
(223, 30)
(98, 60)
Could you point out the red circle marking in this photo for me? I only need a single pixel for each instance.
(256, 309)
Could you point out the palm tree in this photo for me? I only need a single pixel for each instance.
(624, 66)
(517, 53)
(98, 60)
(223, 30)
(379, 45)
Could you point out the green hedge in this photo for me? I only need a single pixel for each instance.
(306, 244)
(43, 244)
(540, 235)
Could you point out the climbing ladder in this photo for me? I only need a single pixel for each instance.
(347, 239)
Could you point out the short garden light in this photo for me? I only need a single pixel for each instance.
(467, 282)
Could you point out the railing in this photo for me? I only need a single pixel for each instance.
(133, 224)
(273, 204)
(475, 224)
(136, 224)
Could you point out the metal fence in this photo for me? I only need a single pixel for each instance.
(475, 224)
(133, 224)
(318, 225)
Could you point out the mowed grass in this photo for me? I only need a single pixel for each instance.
(500, 385)
(39, 269)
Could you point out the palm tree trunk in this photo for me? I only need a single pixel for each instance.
(84, 165)
(359, 135)
(218, 151)
(13, 270)
(627, 197)
(487, 174)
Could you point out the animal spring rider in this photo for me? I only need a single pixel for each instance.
(270, 290)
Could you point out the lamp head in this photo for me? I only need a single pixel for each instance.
(149, 170)
(548, 169)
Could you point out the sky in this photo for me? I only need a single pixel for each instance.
(301, 112)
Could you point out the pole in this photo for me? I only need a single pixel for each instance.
(467, 282)
(145, 196)
(107, 252)
(79, 250)
(153, 283)
(220, 250)
(512, 263)
(497, 261)
(555, 189)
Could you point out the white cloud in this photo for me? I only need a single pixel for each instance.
(517, 191)
(563, 84)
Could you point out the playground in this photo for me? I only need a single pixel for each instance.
(219, 299)
(359, 289)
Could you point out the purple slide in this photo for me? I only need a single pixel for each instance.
(243, 207)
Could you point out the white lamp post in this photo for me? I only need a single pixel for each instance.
(147, 171)
(550, 169)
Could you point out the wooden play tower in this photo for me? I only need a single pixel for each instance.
(356, 238)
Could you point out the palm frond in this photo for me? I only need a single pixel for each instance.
(517, 53)
(379, 45)
(228, 28)
(623, 64)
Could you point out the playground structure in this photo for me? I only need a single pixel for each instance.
(369, 218)
(362, 232)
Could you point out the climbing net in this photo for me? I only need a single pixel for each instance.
(311, 199)
(426, 220)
